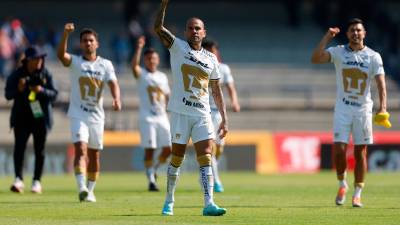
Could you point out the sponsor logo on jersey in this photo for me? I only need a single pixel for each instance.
(91, 72)
(193, 104)
(198, 62)
(355, 63)
(352, 103)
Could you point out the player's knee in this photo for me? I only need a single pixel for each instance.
(176, 161)
(360, 153)
(204, 160)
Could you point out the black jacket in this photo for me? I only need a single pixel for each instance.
(21, 111)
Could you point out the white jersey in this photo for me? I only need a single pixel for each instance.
(191, 72)
(226, 78)
(87, 83)
(153, 88)
(354, 72)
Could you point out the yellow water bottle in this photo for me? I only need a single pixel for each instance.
(32, 96)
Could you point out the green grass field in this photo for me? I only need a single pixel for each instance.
(250, 199)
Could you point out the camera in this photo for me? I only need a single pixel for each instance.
(35, 79)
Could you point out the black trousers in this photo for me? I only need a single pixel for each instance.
(21, 134)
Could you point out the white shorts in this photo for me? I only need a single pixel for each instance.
(154, 132)
(216, 120)
(90, 133)
(184, 127)
(358, 125)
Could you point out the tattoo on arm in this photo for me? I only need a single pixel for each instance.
(167, 38)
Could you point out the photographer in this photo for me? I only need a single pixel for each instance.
(32, 89)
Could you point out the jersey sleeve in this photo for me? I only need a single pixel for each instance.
(333, 52)
(228, 79)
(74, 62)
(215, 74)
(110, 72)
(176, 45)
(377, 67)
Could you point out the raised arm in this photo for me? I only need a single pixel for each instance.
(219, 101)
(381, 85)
(136, 57)
(320, 55)
(167, 38)
(115, 93)
(62, 53)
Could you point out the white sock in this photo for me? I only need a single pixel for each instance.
(357, 192)
(172, 179)
(91, 185)
(150, 175)
(343, 183)
(214, 166)
(80, 181)
(207, 184)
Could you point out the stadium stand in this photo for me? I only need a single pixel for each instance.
(278, 87)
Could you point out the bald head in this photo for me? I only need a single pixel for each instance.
(194, 20)
(195, 32)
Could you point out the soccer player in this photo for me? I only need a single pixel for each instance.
(153, 119)
(227, 81)
(88, 73)
(356, 66)
(193, 68)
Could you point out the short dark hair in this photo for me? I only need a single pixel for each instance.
(208, 43)
(89, 31)
(354, 21)
(150, 51)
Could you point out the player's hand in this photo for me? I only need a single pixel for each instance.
(21, 85)
(236, 107)
(223, 129)
(116, 104)
(36, 88)
(332, 32)
(141, 42)
(69, 28)
(382, 119)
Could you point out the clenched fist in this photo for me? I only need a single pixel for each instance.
(69, 27)
(332, 32)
